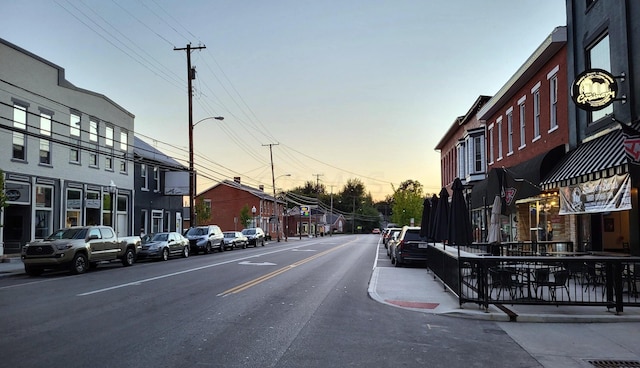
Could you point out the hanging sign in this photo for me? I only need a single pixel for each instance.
(597, 196)
(304, 211)
(594, 89)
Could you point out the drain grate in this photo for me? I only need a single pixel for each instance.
(615, 363)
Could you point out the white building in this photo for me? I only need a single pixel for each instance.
(65, 152)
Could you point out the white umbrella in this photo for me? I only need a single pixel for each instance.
(495, 233)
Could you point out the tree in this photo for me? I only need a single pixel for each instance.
(407, 203)
(245, 217)
(203, 212)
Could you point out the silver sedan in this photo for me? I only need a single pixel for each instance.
(164, 245)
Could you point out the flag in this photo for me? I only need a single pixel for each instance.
(631, 142)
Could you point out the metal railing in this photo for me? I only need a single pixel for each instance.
(583, 279)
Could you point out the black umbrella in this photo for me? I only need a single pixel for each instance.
(440, 229)
(426, 220)
(432, 220)
(459, 232)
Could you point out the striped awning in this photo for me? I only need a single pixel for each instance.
(603, 156)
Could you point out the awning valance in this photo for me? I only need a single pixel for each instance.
(596, 157)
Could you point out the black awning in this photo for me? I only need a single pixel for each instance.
(526, 176)
(597, 155)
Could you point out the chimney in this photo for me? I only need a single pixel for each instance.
(236, 179)
(261, 187)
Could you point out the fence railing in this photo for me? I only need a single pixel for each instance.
(580, 279)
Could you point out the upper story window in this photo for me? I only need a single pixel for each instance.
(144, 175)
(74, 124)
(491, 143)
(536, 111)
(124, 140)
(45, 144)
(523, 122)
(510, 131)
(499, 130)
(19, 122)
(462, 162)
(478, 157)
(553, 98)
(156, 177)
(599, 56)
(93, 130)
(108, 136)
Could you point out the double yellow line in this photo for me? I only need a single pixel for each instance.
(275, 273)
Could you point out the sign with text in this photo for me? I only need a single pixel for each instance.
(596, 196)
(305, 211)
(594, 89)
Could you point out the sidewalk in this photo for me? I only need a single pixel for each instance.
(416, 289)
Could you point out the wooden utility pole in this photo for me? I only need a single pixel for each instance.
(191, 75)
(273, 182)
(317, 201)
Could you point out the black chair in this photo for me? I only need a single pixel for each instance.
(560, 280)
(506, 279)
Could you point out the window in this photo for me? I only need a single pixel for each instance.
(123, 166)
(490, 144)
(74, 125)
(553, 98)
(44, 211)
(523, 136)
(74, 207)
(536, 111)
(108, 163)
(144, 176)
(510, 131)
(143, 220)
(478, 156)
(108, 136)
(156, 221)
(74, 154)
(599, 56)
(461, 160)
(156, 177)
(19, 122)
(45, 144)
(124, 141)
(93, 130)
(207, 206)
(499, 129)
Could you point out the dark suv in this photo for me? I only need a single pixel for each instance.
(410, 247)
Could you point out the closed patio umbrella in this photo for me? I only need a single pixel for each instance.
(459, 231)
(440, 228)
(426, 220)
(432, 220)
(495, 235)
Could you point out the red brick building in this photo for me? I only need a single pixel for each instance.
(227, 199)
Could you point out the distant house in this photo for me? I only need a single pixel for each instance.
(227, 199)
(161, 183)
(297, 224)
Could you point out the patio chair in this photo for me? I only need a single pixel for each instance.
(593, 275)
(560, 280)
(506, 279)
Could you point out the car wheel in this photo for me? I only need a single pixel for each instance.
(222, 247)
(208, 248)
(185, 252)
(244, 245)
(397, 263)
(165, 254)
(129, 258)
(80, 264)
(33, 270)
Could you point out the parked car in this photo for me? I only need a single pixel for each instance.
(410, 247)
(164, 245)
(393, 240)
(205, 239)
(78, 248)
(255, 235)
(386, 234)
(235, 239)
(375, 231)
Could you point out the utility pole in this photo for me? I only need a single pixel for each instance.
(331, 214)
(273, 181)
(317, 201)
(191, 74)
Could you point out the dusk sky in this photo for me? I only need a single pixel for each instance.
(347, 89)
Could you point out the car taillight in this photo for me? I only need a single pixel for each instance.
(400, 244)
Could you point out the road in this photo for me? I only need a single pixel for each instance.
(300, 303)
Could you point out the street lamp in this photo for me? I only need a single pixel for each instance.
(192, 176)
(253, 211)
(275, 206)
(113, 190)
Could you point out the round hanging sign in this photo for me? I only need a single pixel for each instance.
(594, 89)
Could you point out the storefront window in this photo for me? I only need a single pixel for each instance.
(44, 211)
(74, 205)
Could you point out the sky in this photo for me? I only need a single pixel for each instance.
(341, 89)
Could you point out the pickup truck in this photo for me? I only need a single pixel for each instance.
(78, 248)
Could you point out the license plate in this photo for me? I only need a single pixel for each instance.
(423, 245)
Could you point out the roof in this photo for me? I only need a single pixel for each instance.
(254, 191)
(146, 151)
(549, 47)
(462, 120)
